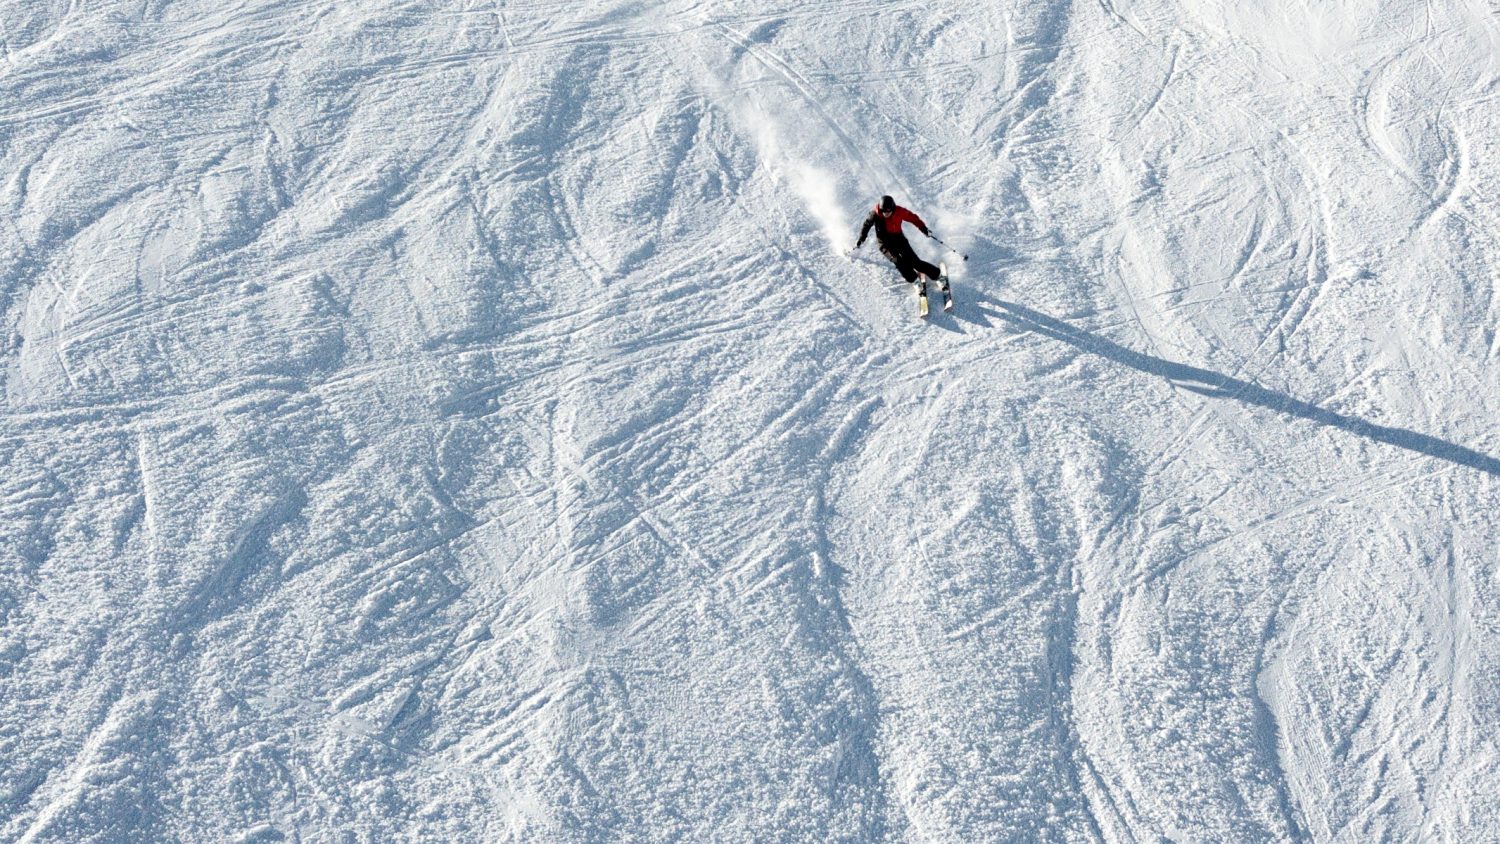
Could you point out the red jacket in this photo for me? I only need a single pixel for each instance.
(889, 228)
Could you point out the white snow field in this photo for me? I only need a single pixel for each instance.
(449, 421)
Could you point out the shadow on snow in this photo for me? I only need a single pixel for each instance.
(1215, 385)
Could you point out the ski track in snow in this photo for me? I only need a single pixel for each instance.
(452, 421)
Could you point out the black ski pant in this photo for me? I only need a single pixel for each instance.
(898, 251)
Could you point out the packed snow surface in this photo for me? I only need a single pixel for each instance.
(450, 421)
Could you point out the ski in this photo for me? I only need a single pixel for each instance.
(922, 298)
(946, 287)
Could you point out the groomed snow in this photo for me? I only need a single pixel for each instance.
(464, 422)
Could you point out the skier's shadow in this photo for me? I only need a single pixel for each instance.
(1216, 385)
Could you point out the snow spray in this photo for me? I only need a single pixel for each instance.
(815, 186)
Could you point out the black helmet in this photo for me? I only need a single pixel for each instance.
(887, 205)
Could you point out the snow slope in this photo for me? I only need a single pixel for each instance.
(460, 422)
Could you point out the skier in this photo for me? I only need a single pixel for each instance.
(887, 219)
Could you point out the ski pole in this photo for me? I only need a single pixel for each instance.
(946, 246)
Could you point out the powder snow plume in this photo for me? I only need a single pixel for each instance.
(815, 186)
